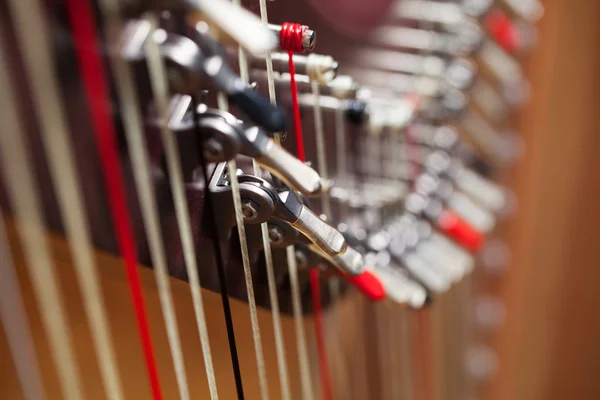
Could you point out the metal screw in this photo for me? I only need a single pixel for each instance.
(309, 39)
(276, 234)
(213, 149)
(250, 210)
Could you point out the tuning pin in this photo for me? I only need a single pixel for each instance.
(476, 8)
(441, 188)
(504, 148)
(485, 97)
(404, 238)
(316, 67)
(486, 192)
(426, 273)
(460, 73)
(475, 215)
(449, 222)
(397, 62)
(448, 15)
(295, 37)
(514, 88)
(442, 253)
(464, 40)
(530, 11)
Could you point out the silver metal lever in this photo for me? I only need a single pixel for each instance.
(254, 142)
(279, 162)
(327, 238)
(350, 262)
(193, 62)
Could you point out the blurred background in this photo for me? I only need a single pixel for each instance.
(548, 346)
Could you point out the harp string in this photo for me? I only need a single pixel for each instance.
(272, 282)
(301, 346)
(49, 106)
(239, 218)
(313, 273)
(320, 143)
(342, 372)
(13, 316)
(140, 165)
(158, 82)
(237, 202)
(326, 209)
(24, 196)
(98, 98)
(359, 373)
(212, 221)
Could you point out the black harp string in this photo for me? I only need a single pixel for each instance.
(211, 224)
(359, 184)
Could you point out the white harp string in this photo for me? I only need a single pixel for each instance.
(49, 107)
(302, 347)
(264, 228)
(140, 165)
(269, 62)
(158, 80)
(260, 358)
(306, 384)
(24, 196)
(321, 149)
(13, 317)
(239, 220)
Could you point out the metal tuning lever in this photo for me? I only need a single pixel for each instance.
(256, 106)
(193, 62)
(225, 136)
(254, 142)
(328, 239)
(292, 222)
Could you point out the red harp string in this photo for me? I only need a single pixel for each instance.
(93, 75)
(291, 41)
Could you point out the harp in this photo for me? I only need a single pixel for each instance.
(312, 212)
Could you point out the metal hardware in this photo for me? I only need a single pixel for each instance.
(317, 67)
(193, 62)
(466, 39)
(250, 210)
(226, 136)
(309, 36)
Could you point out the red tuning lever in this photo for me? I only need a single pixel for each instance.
(460, 230)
